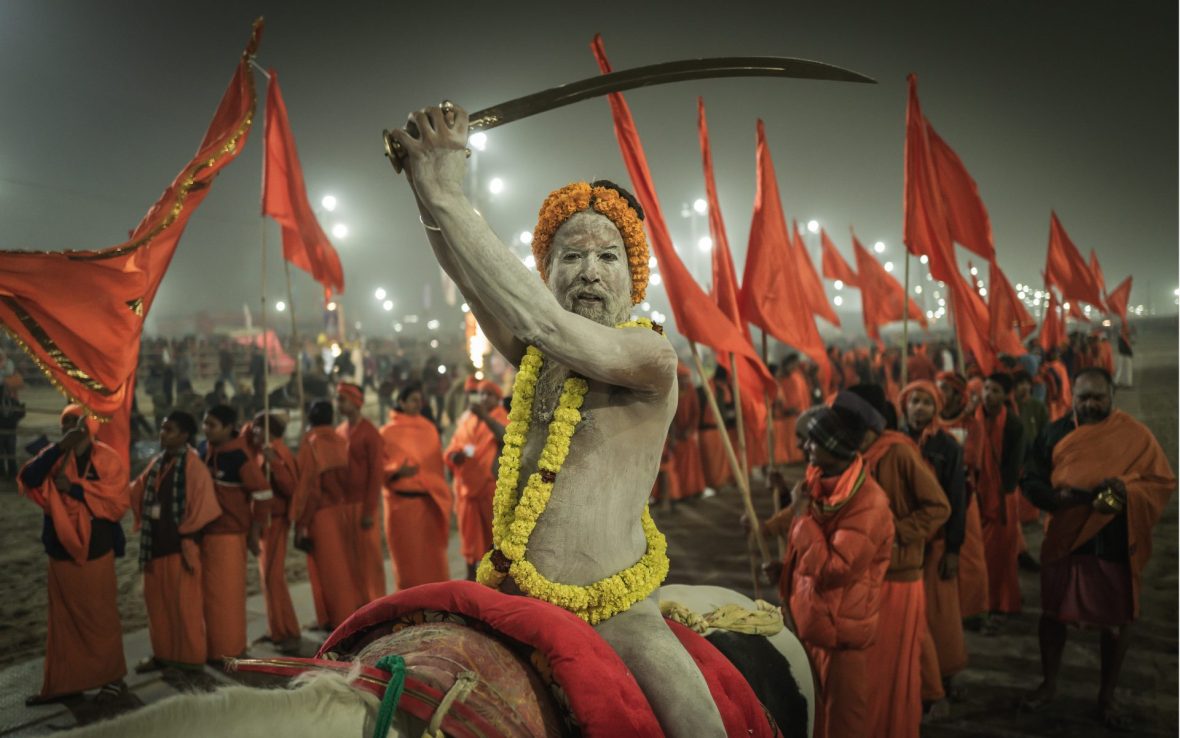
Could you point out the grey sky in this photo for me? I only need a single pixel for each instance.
(1050, 105)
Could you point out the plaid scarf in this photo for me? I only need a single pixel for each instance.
(150, 501)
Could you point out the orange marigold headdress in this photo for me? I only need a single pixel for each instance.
(606, 199)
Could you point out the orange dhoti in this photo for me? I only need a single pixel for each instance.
(84, 644)
(372, 561)
(176, 622)
(416, 532)
(689, 471)
(973, 585)
(944, 653)
(714, 461)
(894, 662)
(329, 550)
(223, 577)
(843, 692)
(281, 623)
(786, 446)
(757, 451)
(1001, 546)
(475, 526)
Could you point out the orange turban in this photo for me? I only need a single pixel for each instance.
(76, 411)
(352, 393)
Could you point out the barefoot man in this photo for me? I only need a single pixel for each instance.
(592, 404)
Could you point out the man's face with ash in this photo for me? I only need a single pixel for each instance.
(588, 271)
(1092, 399)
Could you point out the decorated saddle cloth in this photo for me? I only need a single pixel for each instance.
(543, 671)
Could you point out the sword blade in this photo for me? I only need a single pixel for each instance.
(659, 74)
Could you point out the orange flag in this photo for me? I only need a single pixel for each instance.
(834, 265)
(881, 296)
(813, 289)
(697, 317)
(725, 289)
(1117, 301)
(1010, 321)
(284, 198)
(1052, 328)
(772, 297)
(937, 214)
(1099, 279)
(79, 314)
(1067, 270)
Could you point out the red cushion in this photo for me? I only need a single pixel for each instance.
(605, 698)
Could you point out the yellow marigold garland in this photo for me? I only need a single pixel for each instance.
(563, 203)
(514, 518)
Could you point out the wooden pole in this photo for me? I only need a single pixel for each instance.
(782, 549)
(741, 424)
(743, 484)
(298, 352)
(905, 325)
(265, 359)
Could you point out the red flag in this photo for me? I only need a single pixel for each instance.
(881, 296)
(1052, 327)
(697, 317)
(930, 230)
(772, 297)
(79, 314)
(284, 198)
(1010, 321)
(1117, 302)
(725, 289)
(834, 265)
(966, 217)
(813, 289)
(1066, 269)
(1099, 279)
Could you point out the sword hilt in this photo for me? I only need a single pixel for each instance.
(396, 153)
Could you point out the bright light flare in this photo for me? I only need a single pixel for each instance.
(280, 306)
(380, 293)
(329, 203)
(838, 284)
(387, 306)
(478, 140)
(879, 247)
(526, 237)
(889, 266)
(495, 185)
(705, 244)
(700, 206)
(813, 225)
(838, 300)
(340, 230)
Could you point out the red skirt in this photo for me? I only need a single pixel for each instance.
(1087, 590)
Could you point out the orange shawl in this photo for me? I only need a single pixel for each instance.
(323, 473)
(990, 491)
(1118, 447)
(473, 477)
(200, 501)
(107, 497)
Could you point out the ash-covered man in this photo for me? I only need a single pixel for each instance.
(592, 405)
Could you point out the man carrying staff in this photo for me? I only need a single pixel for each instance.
(599, 401)
(1105, 481)
(81, 484)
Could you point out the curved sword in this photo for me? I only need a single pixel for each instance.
(645, 76)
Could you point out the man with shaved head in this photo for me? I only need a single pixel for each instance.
(593, 401)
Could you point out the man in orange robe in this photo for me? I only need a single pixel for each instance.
(245, 498)
(282, 624)
(471, 455)
(999, 505)
(1106, 481)
(81, 484)
(366, 464)
(958, 420)
(944, 652)
(1058, 394)
(323, 525)
(714, 460)
(173, 499)
(417, 498)
(919, 509)
(795, 398)
(684, 434)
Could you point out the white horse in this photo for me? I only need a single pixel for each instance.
(323, 703)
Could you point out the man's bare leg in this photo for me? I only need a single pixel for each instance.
(1114, 643)
(1052, 637)
(667, 674)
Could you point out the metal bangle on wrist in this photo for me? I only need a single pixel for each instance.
(428, 226)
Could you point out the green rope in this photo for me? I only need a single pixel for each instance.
(396, 666)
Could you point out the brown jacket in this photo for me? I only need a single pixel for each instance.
(919, 505)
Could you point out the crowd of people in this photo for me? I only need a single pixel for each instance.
(905, 531)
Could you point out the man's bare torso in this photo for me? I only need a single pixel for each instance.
(591, 528)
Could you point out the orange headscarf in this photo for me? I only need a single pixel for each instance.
(923, 385)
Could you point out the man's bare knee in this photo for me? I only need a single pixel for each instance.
(667, 674)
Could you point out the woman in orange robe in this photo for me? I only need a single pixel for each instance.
(81, 484)
(417, 499)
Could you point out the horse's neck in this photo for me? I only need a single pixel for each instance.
(326, 705)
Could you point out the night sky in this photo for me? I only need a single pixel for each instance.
(1059, 106)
